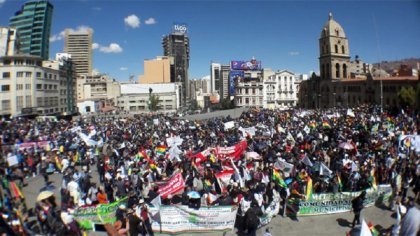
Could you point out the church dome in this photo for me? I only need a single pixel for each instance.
(332, 28)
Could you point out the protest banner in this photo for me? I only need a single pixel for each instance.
(101, 214)
(12, 160)
(174, 185)
(234, 151)
(182, 219)
(223, 177)
(329, 203)
(43, 144)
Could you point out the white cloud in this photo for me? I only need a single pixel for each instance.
(294, 53)
(150, 21)
(97, 8)
(112, 48)
(123, 68)
(95, 46)
(132, 20)
(1, 2)
(60, 36)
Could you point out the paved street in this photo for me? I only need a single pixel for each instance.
(334, 224)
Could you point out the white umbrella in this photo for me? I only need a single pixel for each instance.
(346, 145)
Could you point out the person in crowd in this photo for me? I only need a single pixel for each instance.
(357, 207)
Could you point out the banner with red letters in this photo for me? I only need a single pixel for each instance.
(173, 186)
(234, 151)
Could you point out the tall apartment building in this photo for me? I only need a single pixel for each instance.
(79, 46)
(177, 45)
(215, 69)
(8, 41)
(33, 24)
(30, 86)
(224, 81)
(157, 70)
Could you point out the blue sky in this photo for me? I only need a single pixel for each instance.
(282, 34)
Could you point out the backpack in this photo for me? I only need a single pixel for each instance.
(251, 219)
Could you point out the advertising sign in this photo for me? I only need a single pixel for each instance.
(234, 75)
(180, 28)
(182, 219)
(246, 65)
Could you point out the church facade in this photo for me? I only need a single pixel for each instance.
(345, 83)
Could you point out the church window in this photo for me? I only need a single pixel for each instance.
(336, 48)
(337, 70)
(345, 71)
(342, 49)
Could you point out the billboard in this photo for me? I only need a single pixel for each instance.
(234, 75)
(180, 28)
(246, 65)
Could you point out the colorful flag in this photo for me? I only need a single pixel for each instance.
(312, 124)
(277, 177)
(407, 142)
(309, 189)
(372, 175)
(160, 150)
(326, 125)
(14, 189)
(340, 184)
(58, 163)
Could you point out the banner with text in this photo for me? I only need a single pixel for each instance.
(99, 214)
(174, 185)
(328, 203)
(234, 151)
(182, 219)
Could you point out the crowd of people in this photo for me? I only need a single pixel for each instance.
(280, 152)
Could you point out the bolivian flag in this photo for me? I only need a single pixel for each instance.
(326, 125)
(277, 177)
(309, 189)
(160, 150)
(312, 124)
(372, 229)
(14, 189)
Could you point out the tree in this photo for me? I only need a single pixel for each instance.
(194, 105)
(407, 97)
(154, 102)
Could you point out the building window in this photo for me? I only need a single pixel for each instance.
(5, 88)
(19, 103)
(28, 74)
(345, 71)
(19, 74)
(247, 101)
(19, 86)
(6, 75)
(38, 86)
(38, 74)
(327, 69)
(28, 86)
(336, 48)
(337, 70)
(28, 101)
(5, 105)
(18, 62)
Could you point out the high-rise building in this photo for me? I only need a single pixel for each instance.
(33, 24)
(215, 77)
(157, 70)
(79, 46)
(177, 45)
(8, 41)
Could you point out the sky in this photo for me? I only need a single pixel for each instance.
(282, 34)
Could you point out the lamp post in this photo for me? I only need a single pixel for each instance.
(334, 104)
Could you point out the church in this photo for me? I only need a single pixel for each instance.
(345, 83)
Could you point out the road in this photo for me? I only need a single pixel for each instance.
(333, 224)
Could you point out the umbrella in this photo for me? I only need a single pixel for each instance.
(44, 195)
(346, 145)
(193, 195)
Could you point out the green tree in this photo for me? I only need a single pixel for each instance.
(154, 102)
(407, 97)
(227, 104)
(194, 105)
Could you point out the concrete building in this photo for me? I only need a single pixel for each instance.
(337, 86)
(8, 41)
(79, 46)
(157, 70)
(215, 77)
(224, 82)
(249, 89)
(199, 86)
(97, 87)
(280, 90)
(29, 86)
(135, 97)
(177, 45)
(33, 24)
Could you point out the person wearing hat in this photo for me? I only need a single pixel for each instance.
(50, 215)
(142, 211)
(121, 222)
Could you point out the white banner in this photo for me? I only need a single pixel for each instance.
(182, 219)
(12, 160)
